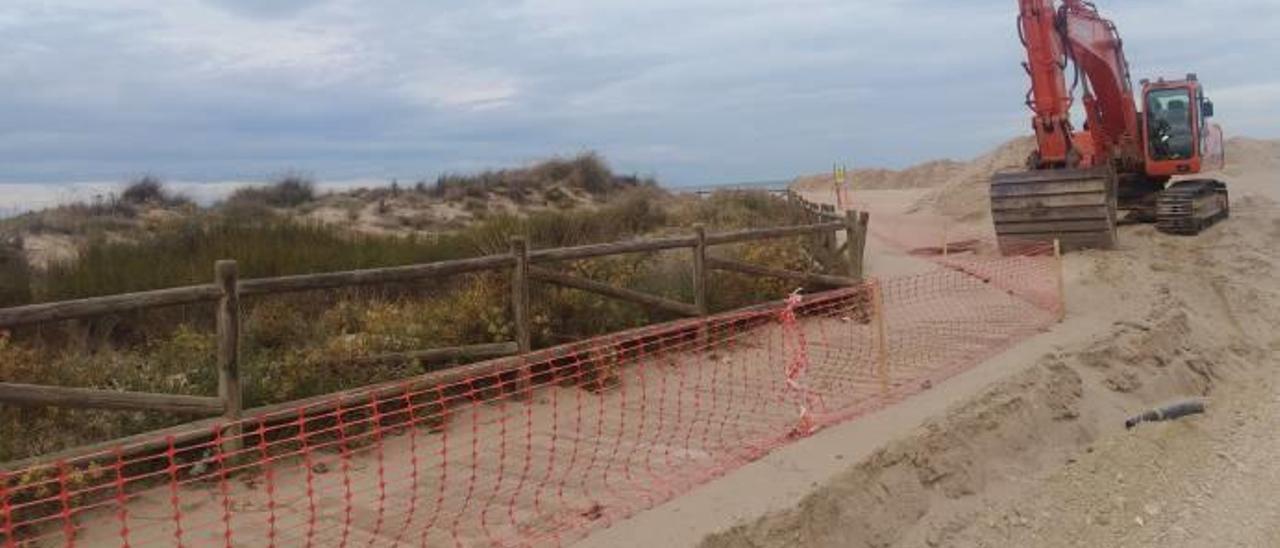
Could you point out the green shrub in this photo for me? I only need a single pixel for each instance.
(149, 190)
(627, 215)
(739, 209)
(291, 190)
(587, 172)
(15, 276)
(180, 364)
(246, 211)
(729, 291)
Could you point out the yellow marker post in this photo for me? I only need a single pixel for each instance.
(838, 184)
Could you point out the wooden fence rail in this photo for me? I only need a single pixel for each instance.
(101, 306)
(227, 290)
(86, 398)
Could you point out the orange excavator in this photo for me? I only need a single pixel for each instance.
(1078, 184)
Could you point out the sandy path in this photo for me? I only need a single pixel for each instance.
(783, 478)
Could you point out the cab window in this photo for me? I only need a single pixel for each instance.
(1170, 133)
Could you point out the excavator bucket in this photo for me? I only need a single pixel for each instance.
(1075, 206)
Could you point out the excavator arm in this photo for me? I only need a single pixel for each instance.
(1074, 35)
(1069, 191)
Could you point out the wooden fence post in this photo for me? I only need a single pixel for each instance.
(227, 278)
(833, 247)
(1060, 279)
(520, 294)
(520, 315)
(700, 269)
(882, 345)
(828, 240)
(855, 226)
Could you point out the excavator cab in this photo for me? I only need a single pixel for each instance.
(1179, 138)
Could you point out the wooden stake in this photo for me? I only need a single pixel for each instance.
(882, 346)
(945, 242)
(700, 297)
(856, 242)
(1060, 275)
(227, 277)
(520, 314)
(700, 270)
(520, 294)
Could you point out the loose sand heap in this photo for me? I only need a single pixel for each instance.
(955, 189)
(1030, 448)
(958, 190)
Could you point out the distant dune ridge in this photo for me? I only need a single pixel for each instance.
(959, 189)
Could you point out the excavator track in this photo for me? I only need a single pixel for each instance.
(1075, 206)
(1189, 207)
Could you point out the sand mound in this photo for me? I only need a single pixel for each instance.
(1252, 158)
(959, 190)
(1041, 458)
(956, 189)
(963, 196)
(928, 489)
(928, 174)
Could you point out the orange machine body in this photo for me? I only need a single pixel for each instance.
(1116, 132)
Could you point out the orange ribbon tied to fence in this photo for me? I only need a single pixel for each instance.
(797, 365)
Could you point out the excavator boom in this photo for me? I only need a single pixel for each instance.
(1075, 34)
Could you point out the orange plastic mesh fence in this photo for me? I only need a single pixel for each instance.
(571, 439)
(931, 235)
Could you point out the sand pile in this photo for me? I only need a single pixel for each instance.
(927, 489)
(928, 174)
(959, 190)
(956, 189)
(1244, 154)
(964, 195)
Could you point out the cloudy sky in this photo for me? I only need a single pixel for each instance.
(692, 91)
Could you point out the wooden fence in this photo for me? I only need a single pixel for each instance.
(816, 211)
(525, 265)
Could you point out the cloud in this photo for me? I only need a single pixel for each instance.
(266, 8)
(456, 87)
(693, 91)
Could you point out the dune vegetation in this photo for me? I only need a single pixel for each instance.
(301, 345)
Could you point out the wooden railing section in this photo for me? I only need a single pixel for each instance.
(524, 264)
